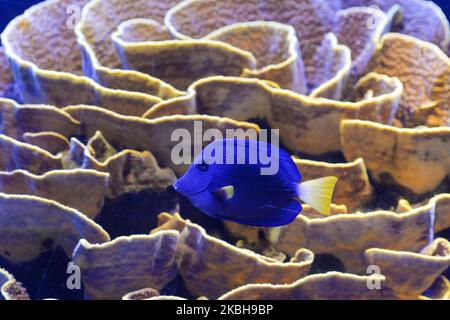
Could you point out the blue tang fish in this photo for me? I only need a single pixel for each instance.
(226, 181)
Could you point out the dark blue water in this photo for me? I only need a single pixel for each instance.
(11, 8)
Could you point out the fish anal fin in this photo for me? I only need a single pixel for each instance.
(318, 193)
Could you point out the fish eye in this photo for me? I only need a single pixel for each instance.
(203, 167)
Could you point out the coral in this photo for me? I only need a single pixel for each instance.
(86, 193)
(299, 118)
(144, 261)
(358, 89)
(424, 71)
(10, 289)
(328, 286)
(200, 252)
(142, 294)
(420, 19)
(347, 236)
(417, 159)
(353, 188)
(409, 274)
(128, 170)
(30, 224)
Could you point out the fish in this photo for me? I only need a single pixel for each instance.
(227, 181)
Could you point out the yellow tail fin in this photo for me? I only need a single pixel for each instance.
(318, 193)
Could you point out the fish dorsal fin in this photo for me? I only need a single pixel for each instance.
(225, 193)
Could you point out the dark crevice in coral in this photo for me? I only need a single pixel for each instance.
(443, 234)
(388, 194)
(177, 287)
(262, 242)
(213, 227)
(446, 273)
(435, 290)
(46, 276)
(12, 93)
(82, 138)
(135, 212)
(333, 157)
(326, 262)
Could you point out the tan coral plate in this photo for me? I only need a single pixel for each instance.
(96, 96)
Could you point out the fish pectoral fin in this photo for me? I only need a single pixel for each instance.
(225, 193)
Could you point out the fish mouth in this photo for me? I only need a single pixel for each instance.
(177, 188)
(185, 193)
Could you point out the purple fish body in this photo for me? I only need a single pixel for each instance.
(255, 199)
